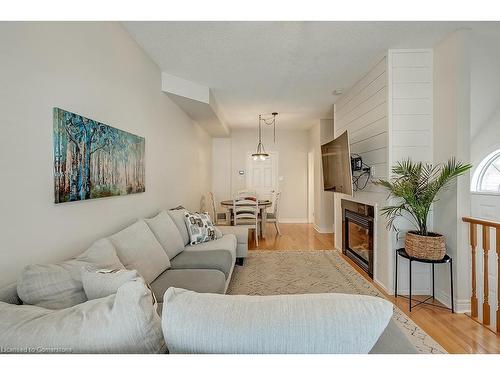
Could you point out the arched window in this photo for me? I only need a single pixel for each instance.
(486, 178)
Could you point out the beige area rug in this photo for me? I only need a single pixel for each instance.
(297, 272)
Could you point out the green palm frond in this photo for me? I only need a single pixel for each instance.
(416, 186)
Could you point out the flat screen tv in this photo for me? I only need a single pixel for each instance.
(337, 173)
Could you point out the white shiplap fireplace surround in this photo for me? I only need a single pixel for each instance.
(389, 116)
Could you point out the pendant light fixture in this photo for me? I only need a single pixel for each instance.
(261, 153)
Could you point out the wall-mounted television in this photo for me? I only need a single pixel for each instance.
(337, 173)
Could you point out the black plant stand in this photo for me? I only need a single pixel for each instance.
(447, 259)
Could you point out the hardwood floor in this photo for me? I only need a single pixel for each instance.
(294, 237)
(457, 333)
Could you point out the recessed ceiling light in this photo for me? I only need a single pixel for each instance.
(337, 92)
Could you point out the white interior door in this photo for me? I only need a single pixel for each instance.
(262, 175)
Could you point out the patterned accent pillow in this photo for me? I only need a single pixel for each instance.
(200, 227)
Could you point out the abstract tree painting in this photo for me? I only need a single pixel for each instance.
(94, 160)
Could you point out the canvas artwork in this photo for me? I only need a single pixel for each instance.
(94, 160)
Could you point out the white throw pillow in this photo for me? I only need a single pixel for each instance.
(200, 227)
(99, 283)
(58, 286)
(166, 233)
(125, 322)
(138, 249)
(303, 323)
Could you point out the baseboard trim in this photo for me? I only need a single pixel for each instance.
(461, 306)
(381, 285)
(443, 297)
(293, 221)
(322, 229)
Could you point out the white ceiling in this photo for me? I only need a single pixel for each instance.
(288, 67)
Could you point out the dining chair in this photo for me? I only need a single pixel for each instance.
(246, 193)
(209, 205)
(246, 213)
(272, 217)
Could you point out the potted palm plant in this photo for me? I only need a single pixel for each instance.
(415, 187)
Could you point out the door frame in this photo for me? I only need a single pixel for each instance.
(310, 187)
(274, 158)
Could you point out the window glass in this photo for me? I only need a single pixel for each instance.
(487, 176)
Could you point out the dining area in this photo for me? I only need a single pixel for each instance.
(246, 209)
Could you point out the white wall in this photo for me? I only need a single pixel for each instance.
(485, 95)
(388, 114)
(485, 138)
(221, 169)
(362, 111)
(452, 138)
(97, 70)
(292, 147)
(410, 136)
(485, 114)
(321, 132)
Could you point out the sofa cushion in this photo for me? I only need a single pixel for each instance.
(218, 233)
(58, 286)
(240, 232)
(393, 341)
(303, 323)
(178, 219)
(166, 233)
(221, 260)
(125, 322)
(138, 249)
(98, 283)
(198, 280)
(8, 294)
(227, 242)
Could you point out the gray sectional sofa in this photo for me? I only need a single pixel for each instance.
(159, 249)
(204, 268)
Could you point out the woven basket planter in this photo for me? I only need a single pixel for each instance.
(431, 247)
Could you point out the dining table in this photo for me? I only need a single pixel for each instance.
(263, 205)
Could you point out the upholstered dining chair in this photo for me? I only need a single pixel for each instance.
(246, 213)
(272, 217)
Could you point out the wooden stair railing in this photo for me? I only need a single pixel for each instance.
(486, 226)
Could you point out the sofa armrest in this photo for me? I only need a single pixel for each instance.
(240, 232)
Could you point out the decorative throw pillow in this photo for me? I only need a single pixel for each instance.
(200, 227)
(58, 286)
(99, 283)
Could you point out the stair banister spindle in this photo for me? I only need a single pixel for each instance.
(473, 245)
(486, 290)
(487, 226)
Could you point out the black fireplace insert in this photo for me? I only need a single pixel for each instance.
(357, 234)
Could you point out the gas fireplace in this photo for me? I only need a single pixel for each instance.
(357, 233)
